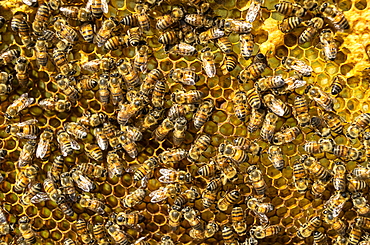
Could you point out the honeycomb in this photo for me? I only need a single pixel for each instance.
(291, 208)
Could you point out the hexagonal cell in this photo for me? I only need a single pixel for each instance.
(290, 40)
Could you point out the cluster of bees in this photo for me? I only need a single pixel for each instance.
(144, 110)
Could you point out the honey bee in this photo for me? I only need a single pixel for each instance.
(163, 129)
(97, 7)
(129, 146)
(336, 224)
(236, 154)
(224, 44)
(166, 240)
(65, 31)
(66, 209)
(261, 209)
(320, 97)
(177, 110)
(5, 83)
(129, 74)
(199, 20)
(29, 196)
(253, 10)
(66, 143)
(192, 217)
(91, 120)
(208, 170)
(158, 93)
(203, 113)
(114, 166)
(328, 44)
(103, 92)
(26, 129)
(238, 221)
(26, 230)
(319, 125)
(146, 169)
(315, 168)
(180, 128)
(24, 177)
(252, 72)
(209, 198)
(240, 100)
(172, 176)
(94, 152)
(9, 56)
(116, 42)
(291, 83)
(309, 33)
(69, 241)
(275, 156)
(271, 82)
(354, 236)
(300, 110)
(19, 104)
(361, 205)
(93, 204)
(163, 193)
(82, 231)
(361, 172)
(169, 20)
(92, 170)
(286, 136)
(268, 127)
(313, 147)
(174, 218)
(99, 231)
(188, 196)
(358, 125)
(76, 13)
(172, 156)
(68, 89)
(105, 32)
(150, 80)
(186, 76)
(319, 238)
(134, 36)
(256, 177)
(41, 52)
(276, 105)
(77, 130)
(26, 154)
(336, 202)
(51, 189)
(292, 63)
(355, 185)
(211, 229)
(141, 58)
(335, 16)
(182, 49)
(318, 188)
(130, 220)
(290, 9)
(43, 147)
(82, 181)
(168, 37)
(208, 61)
(337, 85)
(190, 97)
(210, 34)
(347, 152)
(228, 235)
(289, 24)
(67, 186)
(133, 198)
(229, 63)
(237, 26)
(199, 146)
(261, 232)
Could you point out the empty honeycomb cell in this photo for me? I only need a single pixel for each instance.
(290, 40)
(56, 235)
(346, 93)
(44, 234)
(331, 68)
(344, 69)
(38, 223)
(152, 227)
(219, 117)
(353, 104)
(226, 129)
(261, 37)
(64, 225)
(297, 52)
(281, 51)
(317, 67)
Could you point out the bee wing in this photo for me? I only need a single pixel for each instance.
(296, 84)
(42, 148)
(166, 174)
(28, 122)
(88, 4)
(102, 142)
(75, 145)
(104, 6)
(2, 216)
(158, 195)
(40, 197)
(85, 183)
(263, 217)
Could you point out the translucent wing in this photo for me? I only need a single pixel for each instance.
(88, 4)
(42, 148)
(104, 6)
(2, 216)
(253, 11)
(74, 144)
(296, 84)
(158, 195)
(85, 183)
(166, 175)
(263, 217)
(28, 122)
(102, 142)
(40, 197)
(277, 109)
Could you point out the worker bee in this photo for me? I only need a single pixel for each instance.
(180, 128)
(163, 193)
(290, 9)
(76, 13)
(141, 58)
(336, 202)
(56, 168)
(182, 49)
(238, 221)
(337, 85)
(144, 171)
(168, 20)
(291, 83)
(266, 83)
(26, 230)
(208, 198)
(347, 152)
(177, 110)
(192, 217)
(134, 198)
(276, 105)
(23, 178)
(129, 74)
(354, 236)
(199, 20)
(320, 97)
(360, 122)
(186, 76)
(228, 235)
(253, 10)
(114, 165)
(163, 129)
(190, 97)
(361, 205)
(91, 120)
(259, 208)
(93, 204)
(319, 125)
(82, 181)
(26, 129)
(256, 177)
(355, 185)
(67, 186)
(328, 44)
(172, 156)
(150, 80)
(26, 154)
(41, 52)
(300, 110)
(318, 188)
(268, 127)
(275, 155)
(9, 56)
(261, 232)
(31, 196)
(128, 145)
(158, 93)
(309, 33)
(69, 241)
(211, 229)
(237, 26)
(105, 32)
(319, 238)
(82, 231)
(203, 113)
(208, 61)
(92, 170)
(65, 31)
(166, 240)
(5, 83)
(224, 44)
(116, 42)
(43, 147)
(130, 220)
(246, 45)
(51, 189)
(99, 232)
(199, 146)
(292, 63)
(286, 136)
(68, 89)
(94, 152)
(313, 147)
(168, 37)
(210, 34)
(97, 7)
(66, 143)
(251, 72)
(289, 24)
(173, 176)
(19, 104)
(229, 63)
(188, 196)
(247, 145)
(315, 168)
(240, 100)
(208, 170)
(361, 172)
(77, 130)
(333, 121)
(335, 16)
(234, 153)
(134, 36)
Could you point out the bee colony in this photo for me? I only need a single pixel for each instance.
(184, 122)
